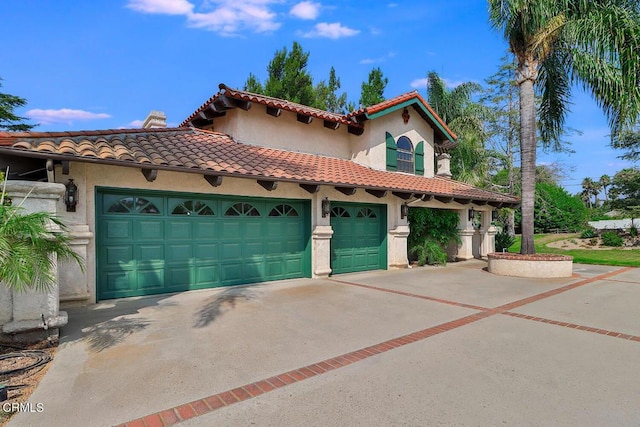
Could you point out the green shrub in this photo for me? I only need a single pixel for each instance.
(430, 252)
(588, 233)
(611, 238)
(633, 231)
(504, 241)
(556, 209)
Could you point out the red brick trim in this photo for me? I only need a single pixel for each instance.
(574, 326)
(198, 407)
(529, 257)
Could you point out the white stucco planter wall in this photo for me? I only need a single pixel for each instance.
(22, 312)
(545, 266)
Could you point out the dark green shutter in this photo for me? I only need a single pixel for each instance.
(392, 155)
(419, 158)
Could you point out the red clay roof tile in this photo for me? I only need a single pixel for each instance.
(192, 150)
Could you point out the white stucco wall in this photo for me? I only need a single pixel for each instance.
(256, 127)
(369, 149)
(90, 176)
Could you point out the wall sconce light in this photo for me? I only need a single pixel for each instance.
(472, 214)
(404, 210)
(71, 196)
(326, 207)
(494, 215)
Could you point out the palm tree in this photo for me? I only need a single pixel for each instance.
(605, 182)
(26, 246)
(470, 160)
(588, 190)
(560, 43)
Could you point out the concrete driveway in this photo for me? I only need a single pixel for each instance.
(425, 346)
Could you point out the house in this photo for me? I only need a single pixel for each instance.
(249, 189)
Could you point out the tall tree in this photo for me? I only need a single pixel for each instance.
(625, 189)
(327, 97)
(373, 89)
(628, 140)
(588, 191)
(605, 182)
(288, 77)
(470, 160)
(8, 118)
(558, 43)
(501, 96)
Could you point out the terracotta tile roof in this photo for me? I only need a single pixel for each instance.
(199, 151)
(389, 103)
(271, 102)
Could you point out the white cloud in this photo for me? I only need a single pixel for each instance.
(305, 10)
(422, 83)
(63, 115)
(419, 83)
(333, 30)
(163, 7)
(227, 17)
(366, 61)
(135, 124)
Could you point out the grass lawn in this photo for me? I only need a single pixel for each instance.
(630, 258)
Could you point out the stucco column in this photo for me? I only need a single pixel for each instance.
(22, 312)
(73, 281)
(465, 250)
(321, 250)
(398, 247)
(488, 235)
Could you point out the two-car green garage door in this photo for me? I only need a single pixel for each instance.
(151, 242)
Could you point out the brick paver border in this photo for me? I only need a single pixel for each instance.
(209, 404)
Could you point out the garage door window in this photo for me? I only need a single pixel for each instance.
(366, 213)
(192, 207)
(242, 209)
(283, 210)
(133, 205)
(340, 212)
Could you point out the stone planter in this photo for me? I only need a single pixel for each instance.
(543, 266)
(32, 316)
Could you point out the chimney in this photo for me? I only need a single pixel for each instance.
(444, 165)
(155, 119)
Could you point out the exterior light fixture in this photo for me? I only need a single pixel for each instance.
(472, 214)
(494, 215)
(71, 196)
(404, 210)
(326, 207)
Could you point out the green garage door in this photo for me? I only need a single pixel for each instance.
(359, 237)
(151, 243)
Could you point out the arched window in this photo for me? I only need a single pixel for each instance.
(405, 154)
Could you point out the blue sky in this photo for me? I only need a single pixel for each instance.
(105, 64)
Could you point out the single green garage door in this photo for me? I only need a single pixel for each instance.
(359, 241)
(152, 243)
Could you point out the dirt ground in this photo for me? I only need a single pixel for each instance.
(22, 384)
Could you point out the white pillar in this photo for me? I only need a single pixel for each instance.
(398, 247)
(488, 235)
(465, 250)
(321, 250)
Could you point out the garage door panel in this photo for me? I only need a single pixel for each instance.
(358, 239)
(149, 229)
(119, 229)
(150, 253)
(179, 252)
(205, 251)
(230, 250)
(150, 278)
(231, 229)
(119, 255)
(205, 230)
(148, 244)
(178, 229)
(117, 280)
(207, 276)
